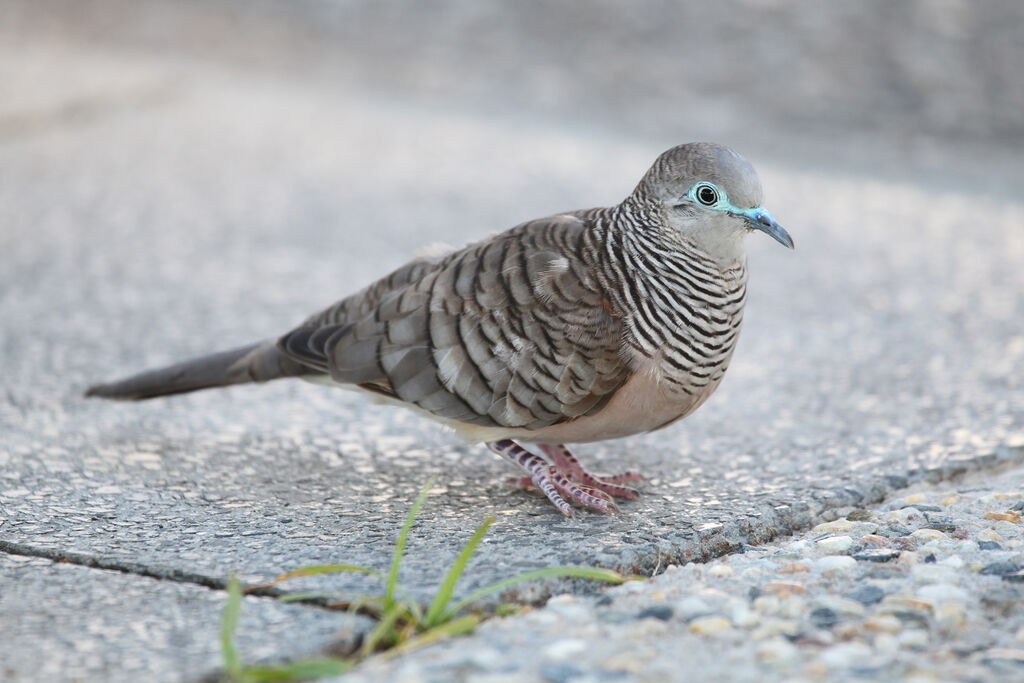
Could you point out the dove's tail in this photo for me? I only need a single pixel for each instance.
(255, 363)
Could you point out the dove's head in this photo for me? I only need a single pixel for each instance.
(709, 195)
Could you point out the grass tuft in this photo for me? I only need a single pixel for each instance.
(402, 624)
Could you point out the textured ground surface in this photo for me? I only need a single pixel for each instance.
(164, 194)
(924, 587)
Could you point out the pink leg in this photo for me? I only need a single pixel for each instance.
(585, 495)
(565, 476)
(536, 467)
(566, 462)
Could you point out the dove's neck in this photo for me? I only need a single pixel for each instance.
(681, 304)
(706, 236)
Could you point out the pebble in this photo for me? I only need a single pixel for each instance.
(895, 603)
(907, 515)
(887, 644)
(835, 565)
(954, 561)
(663, 612)
(942, 524)
(905, 542)
(835, 545)
(876, 555)
(742, 615)
(913, 638)
(842, 606)
(789, 628)
(885, 623)
(867, 594)
(951, 616)
(989, 535)
(783, 587)
(932, 572)
(845, 655)
(778, 650)
(874, 540)
(1007, 529)
(709, 625)
(1000, 568)
(563, 649)
(1014, 577)
(824, 617)
(926, 534)
(942, 592)
(1005, 654)
(1002, 599)
(1008, 516)
(692, 606)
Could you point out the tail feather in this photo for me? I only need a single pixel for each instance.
(254, 363)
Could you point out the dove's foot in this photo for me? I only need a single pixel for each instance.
(565, 478)
(567, 463)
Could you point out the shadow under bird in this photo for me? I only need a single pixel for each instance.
(579, 327)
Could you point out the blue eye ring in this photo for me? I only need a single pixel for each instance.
(706, 194)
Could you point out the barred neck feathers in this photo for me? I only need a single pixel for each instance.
(685, 306)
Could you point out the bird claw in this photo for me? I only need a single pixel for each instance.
(629, 475)
(608, 483)
(565, 478)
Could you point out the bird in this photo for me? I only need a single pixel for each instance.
(578, 327)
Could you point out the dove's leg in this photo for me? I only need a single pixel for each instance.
(566, 462)
(553, 482)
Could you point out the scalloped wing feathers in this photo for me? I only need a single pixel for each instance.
(509, 332)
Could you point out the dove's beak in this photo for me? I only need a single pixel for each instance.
(759, 219)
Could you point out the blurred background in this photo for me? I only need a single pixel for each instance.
(895, 88)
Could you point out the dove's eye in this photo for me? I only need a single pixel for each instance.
(706, 194)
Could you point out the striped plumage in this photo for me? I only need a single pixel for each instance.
(583, 326)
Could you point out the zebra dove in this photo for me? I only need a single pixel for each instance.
(583, 326)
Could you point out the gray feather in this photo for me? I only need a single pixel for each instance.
(253, 363)
(477, 336)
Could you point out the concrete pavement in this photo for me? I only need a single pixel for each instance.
(154, 205)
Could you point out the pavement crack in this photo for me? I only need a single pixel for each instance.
(135, 568)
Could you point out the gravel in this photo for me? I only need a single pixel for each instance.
(842, 601)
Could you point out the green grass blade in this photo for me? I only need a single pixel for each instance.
(415, 611)
(403, 534)
(313, 570)
(436, 612)
(302, 670)
(383, 627)
(455, 627)
(368, 602)
(594, 573)
(228, 624)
